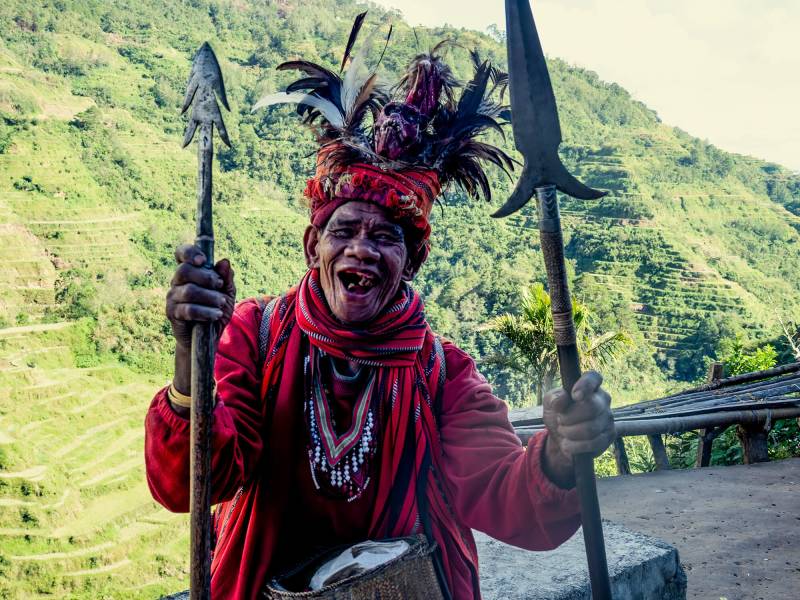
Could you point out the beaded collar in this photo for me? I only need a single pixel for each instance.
(339, 463)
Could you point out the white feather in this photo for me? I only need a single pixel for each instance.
(326, 107)
(357, 73)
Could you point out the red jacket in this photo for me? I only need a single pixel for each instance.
(493, 484)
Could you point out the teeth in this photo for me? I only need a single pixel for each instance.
(365, 281)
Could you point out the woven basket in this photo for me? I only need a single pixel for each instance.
(411, 576)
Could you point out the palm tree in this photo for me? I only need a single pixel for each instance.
(533, 345)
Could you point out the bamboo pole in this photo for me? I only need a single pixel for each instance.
(679, 424)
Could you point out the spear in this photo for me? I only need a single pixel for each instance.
(537, 134)
(205, 84)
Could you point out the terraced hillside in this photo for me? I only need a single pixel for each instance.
(76, 519)
(691, 245)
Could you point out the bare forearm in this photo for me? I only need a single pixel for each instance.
(182, 379)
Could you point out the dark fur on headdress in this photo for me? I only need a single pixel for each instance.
(419, 124)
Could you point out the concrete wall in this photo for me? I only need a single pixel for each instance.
(641, 568)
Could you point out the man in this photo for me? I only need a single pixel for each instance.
(340, 415)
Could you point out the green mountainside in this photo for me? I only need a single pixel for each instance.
(692, 245)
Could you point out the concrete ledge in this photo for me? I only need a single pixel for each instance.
(641, 567)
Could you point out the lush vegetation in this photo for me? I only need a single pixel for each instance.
(533, 345)
(692, 246)
(783, 437)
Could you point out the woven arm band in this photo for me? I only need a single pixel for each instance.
(182, 400)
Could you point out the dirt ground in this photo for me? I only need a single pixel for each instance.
(737, 529)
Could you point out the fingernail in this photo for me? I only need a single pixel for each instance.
(577, 395)
(199, 260)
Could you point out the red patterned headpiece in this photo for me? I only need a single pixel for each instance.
(407, 195)
(416, 144)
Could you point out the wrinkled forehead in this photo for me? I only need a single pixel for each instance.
(363, 214)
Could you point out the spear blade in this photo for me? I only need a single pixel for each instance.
(537, 131)
(205, 85)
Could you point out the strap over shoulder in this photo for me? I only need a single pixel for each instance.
(439, 350)
(267, 310)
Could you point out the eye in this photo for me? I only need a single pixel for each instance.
(388, 237)
(341, 232)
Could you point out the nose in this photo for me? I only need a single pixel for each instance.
(363, 249)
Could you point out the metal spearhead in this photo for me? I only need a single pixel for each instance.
(205, 84)
(537, 132)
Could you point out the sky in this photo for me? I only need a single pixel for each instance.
(723, 70)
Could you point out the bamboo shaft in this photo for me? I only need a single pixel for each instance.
(743, 378)
(762, 389)
(681, 424)
(755, 404)
(690, 423)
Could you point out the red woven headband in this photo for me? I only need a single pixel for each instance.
(407, 195)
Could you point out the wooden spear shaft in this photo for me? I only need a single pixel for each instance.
(203, 352)
(569, 363)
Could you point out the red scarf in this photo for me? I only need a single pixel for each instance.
(401, 345)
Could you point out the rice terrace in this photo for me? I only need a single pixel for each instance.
(684, 280)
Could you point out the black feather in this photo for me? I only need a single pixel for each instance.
(474, 92)
(352, 39)
(321, 82)
(385, 46)
(435, 51)
(308, 84)
(476, 58)
(309, 68)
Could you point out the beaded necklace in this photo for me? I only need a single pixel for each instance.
(339, 463)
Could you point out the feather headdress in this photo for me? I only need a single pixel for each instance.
(337, 104)
(397, 147)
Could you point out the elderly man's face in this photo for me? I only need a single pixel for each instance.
(362, 258)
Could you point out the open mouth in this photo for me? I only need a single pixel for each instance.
(357, 282)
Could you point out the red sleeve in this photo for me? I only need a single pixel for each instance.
(236, 441)
(494, 483)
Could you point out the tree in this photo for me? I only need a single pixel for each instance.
(791, 331)
(533, 345)
(738, 361)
